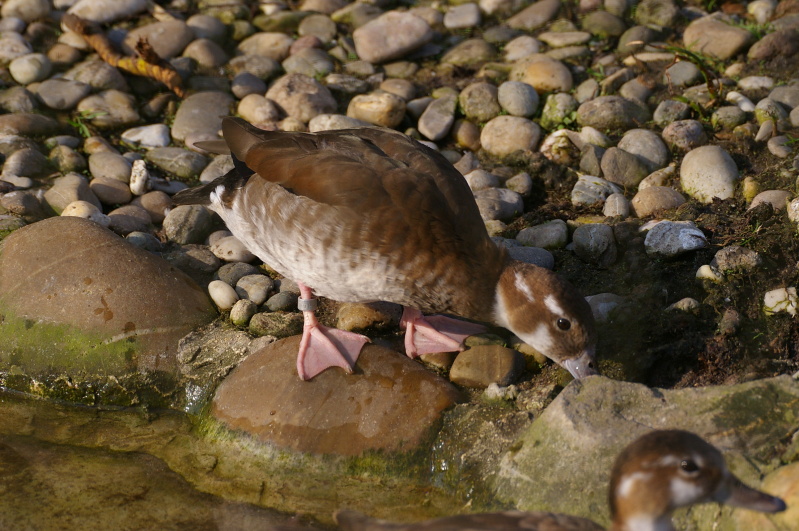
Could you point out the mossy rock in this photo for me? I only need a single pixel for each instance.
(81, 303)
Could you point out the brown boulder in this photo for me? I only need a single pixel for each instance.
(390, 403)
(77, 298)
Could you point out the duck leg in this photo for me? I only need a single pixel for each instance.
(435, 333)
(322, 347)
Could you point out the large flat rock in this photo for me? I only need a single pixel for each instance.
(390, 403)
(78, 299)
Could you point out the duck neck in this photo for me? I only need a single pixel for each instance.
(642, 522)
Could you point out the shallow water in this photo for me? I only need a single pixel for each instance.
(71, 467)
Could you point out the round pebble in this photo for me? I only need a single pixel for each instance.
(668, 239)
(223, 295)
(231, 249)
(283, 301)
(255, 288)
(517, 98)
(86, 210)
(595, 244)
(505, 135)
(30, 68)
(242, 311)
(707, 172)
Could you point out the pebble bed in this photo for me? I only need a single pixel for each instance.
(588, 131)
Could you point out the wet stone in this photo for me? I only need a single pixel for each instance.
(483, 365)
(334, 413)
(374, 316)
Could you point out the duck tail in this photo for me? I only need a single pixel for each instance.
(201, 195)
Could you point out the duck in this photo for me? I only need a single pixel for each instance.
(654, 475)
(369, 214)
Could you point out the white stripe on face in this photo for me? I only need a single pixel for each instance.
(554, 306)
(522, 286)
(540, 339)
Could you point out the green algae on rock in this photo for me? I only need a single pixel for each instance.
(80, 302)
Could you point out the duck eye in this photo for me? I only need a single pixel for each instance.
(689, 466)
(564, 324)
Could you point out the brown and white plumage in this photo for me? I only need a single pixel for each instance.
(369, 214)
(653, 476)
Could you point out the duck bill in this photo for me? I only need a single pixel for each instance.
(581, 366)
(737, 494)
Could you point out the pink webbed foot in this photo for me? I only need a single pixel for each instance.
(322, 347)
(435, 333)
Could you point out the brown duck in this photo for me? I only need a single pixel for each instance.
(369, 214)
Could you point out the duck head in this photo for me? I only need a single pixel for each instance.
(549, 314)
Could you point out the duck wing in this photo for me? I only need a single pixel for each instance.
(399, 200)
